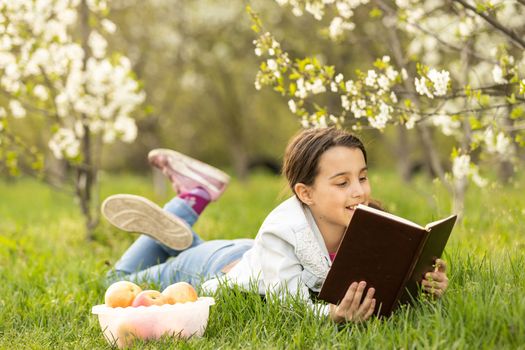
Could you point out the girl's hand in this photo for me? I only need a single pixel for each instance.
(350, 308)
(436, 283)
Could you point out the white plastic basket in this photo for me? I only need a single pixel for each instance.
(184, 320)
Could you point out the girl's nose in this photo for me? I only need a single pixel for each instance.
(356, 190)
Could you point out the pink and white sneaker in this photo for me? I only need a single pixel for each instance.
(186, 173)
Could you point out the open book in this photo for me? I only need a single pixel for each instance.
(390, 253)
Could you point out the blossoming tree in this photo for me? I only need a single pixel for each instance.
(457, 66)
(56, 73)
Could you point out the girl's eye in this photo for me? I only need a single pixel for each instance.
(363, 178)
(342, 184)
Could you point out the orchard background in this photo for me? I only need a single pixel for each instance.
(436, 89)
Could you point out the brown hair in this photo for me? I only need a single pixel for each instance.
(302, 154)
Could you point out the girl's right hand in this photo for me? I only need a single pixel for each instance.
(350, 308)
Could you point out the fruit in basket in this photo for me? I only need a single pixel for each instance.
(148, 298)
(121, 294)
(180, 292)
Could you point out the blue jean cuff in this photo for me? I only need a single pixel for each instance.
(183, 210)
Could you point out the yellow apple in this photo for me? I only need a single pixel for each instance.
(180, 292)
(148, 298)
(121, 294)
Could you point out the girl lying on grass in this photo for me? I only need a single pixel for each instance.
(293, 250)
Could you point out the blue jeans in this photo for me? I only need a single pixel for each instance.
(147, 260)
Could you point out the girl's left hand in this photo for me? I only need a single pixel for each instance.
(436, 282)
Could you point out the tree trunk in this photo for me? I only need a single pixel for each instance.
(432, 162)
(87, 172)
(402, 154)
(506, 168)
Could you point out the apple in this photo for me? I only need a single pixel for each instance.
(180, 292)
(121, 294)
(148, 298)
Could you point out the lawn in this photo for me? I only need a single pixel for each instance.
(51, 277)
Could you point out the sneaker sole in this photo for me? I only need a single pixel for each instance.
(209, 170)
(137, 214)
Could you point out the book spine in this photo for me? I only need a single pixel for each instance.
(415, 258)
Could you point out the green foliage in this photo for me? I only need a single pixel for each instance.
(52, 276)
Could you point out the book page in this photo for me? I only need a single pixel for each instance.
(390, 216)
(435, 223)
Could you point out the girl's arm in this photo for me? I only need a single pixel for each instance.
(281, 269)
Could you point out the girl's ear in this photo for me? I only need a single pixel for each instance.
(303, 192)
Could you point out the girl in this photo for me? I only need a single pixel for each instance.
(327, 171)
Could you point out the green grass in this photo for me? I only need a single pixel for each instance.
(51, 277)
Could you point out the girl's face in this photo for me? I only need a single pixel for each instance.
(341, 184)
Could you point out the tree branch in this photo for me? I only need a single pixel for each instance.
(508, 32)
(387, 8)
(456, 113)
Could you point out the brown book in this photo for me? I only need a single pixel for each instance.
(390, 253)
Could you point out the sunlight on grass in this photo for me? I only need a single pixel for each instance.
(52, 276)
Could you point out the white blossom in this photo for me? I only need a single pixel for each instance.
(301, 89)
(351, 88)
(316, 87)
(404, 74)
(272, 64)
(339, 78)
(40, 92)
(16, 109)
(422, 88)
(338, 26)
(126, 127)
(380, 120)
(497, 75)
(440, 81)
(64, 144)
(446, 123)
(108, 26)
(393, 97)
(384, 84)
(322, 121)
(97, 44)
(345, 103)
(292, 106)
(461, 166)
(371, 78)
(316, 9)
(412, 120)
(498, 144)
(391, 73)
(344, 9)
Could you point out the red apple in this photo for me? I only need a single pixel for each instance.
(121, 294)
(148, 298)
(180, 292)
